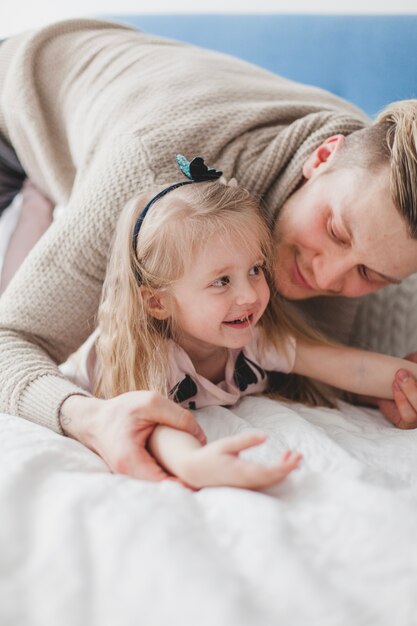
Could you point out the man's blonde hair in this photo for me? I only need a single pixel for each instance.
(400, 122)
(391, 140)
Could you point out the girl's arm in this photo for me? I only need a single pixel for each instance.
(218, 463)
(358, 371)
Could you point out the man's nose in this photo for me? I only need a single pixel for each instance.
(331, 272)
(245, 293)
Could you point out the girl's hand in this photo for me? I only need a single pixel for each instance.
(219, 464)
(118, 429)
(402, 411)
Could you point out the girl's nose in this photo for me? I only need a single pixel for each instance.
(245, 294)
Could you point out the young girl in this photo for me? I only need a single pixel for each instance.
(186, 311)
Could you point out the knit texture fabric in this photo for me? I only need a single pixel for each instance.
(386, 320)
(96, 112)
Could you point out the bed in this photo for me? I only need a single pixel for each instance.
(335, 545)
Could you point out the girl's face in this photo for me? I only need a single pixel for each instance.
(221, 298)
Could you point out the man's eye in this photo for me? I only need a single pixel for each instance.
(363, 273)
(334, 235)
(370, 277)
(221, 282)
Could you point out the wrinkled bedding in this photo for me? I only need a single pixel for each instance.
(334, 545)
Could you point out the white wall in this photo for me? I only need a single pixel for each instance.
(16, 15)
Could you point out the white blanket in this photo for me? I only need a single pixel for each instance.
(334, 545)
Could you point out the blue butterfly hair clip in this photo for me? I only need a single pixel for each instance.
(196, 171)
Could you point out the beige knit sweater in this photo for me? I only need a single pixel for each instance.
(96, 112)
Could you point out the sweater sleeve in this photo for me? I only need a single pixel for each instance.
(50, 306)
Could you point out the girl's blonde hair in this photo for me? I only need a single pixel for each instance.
(132, 348)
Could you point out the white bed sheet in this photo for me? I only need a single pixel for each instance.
(334, 545)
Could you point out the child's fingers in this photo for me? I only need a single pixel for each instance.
(289, 460)
(289, 457)
(288, 463)
(237, 443)
(255, 476)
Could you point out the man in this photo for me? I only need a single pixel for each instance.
(95, 112)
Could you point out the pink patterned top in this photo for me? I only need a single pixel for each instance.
(248, 370)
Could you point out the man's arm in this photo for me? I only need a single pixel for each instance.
(50, 306)
(49, 309)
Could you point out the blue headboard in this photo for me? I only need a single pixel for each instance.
(369, 59)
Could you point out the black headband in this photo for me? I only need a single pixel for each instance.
(197, 172)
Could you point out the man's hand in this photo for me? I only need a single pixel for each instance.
(402, 411)
(118, 429)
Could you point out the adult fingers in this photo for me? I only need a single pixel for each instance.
(398, 411)
(406, 414)
(127, 454)
(169, 413)
(153, 408)
(403, 411)
(137, 462)
(407, 384)
(389, 410)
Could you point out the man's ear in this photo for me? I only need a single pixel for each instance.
(322, 155)
(155, 303)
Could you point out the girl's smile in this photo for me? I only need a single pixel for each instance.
(243, 322)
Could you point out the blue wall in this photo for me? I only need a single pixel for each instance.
(370, 60)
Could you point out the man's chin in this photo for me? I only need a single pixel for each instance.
(294, 292)
(296, 295)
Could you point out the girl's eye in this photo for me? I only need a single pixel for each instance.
(221, 282)
(256, 270)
